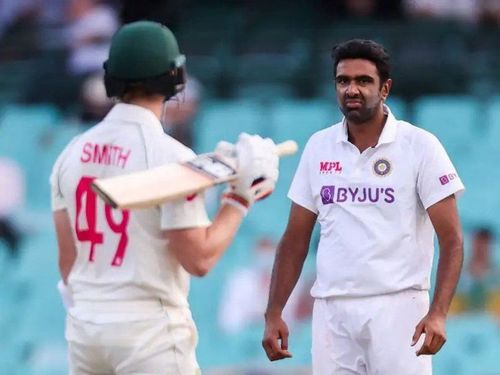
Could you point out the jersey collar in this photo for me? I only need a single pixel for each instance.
(388, 134)
(124, 112)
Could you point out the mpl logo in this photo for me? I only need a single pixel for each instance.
(329, 167)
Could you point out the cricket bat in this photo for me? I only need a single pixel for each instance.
(172, 181)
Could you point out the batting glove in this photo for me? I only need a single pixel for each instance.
(226, 151)
(257, 164)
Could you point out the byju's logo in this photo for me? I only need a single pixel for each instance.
(327, 194)
(328, 167)
(358, 195)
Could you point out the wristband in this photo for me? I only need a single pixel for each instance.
(236, 201)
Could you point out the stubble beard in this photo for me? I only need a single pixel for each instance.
(359, 115)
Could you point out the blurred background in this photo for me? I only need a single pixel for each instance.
(261, 67)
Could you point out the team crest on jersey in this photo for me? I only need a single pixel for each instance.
(382, 167)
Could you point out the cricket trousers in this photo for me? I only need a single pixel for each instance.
(369, 335)
(153, 340)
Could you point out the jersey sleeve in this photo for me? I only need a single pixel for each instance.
(189, 212)
(300, 191)
(57, 198)
(437, 177)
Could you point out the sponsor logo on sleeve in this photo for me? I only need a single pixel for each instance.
(447, 178)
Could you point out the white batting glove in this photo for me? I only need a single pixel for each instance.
(227, 152)
(257, 163)
(66, 297)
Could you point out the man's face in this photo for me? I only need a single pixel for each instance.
(359, 90)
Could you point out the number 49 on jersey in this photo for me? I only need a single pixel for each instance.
(86, 225)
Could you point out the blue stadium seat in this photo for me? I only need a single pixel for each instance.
(270, 216)
(453, 119)
(12, 360)
(38, 260)
(22, 129)
(493, 121)
(42, 329)
(33, 315)
(479, 172)
(398, 107)
(225, 120)
(49, 358)
(299, 119)
(55, 142)
(264, 91)
(472, 346)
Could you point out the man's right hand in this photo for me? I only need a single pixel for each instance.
(275, 341)
(257, 163)
(257, 167)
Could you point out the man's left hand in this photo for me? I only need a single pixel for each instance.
(433, 326)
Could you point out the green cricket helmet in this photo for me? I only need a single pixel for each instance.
(144, 54)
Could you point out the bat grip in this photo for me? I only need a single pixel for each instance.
(287, 148)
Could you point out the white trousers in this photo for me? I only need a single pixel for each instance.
(369, 335)
(162, 343)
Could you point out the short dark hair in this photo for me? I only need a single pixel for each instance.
(363, 49)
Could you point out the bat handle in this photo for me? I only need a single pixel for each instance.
(287, 148)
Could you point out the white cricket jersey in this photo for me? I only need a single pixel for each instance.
(121, 255)
(376, 236)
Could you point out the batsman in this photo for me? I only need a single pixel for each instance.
(125, 274)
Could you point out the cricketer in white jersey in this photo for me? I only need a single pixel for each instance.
(125, 273)
(379, 188)
(130, 138)
(121, 255)
(371, 207)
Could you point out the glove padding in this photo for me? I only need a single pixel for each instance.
(257, 163)
(226, 151)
